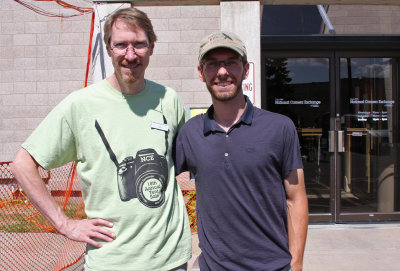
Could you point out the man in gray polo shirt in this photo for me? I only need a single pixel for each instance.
(251, 203)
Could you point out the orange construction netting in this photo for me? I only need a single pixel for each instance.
(29, 242)
(189, 194)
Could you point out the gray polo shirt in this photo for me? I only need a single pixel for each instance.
(241, 200)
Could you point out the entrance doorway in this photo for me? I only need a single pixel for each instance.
(345, 106)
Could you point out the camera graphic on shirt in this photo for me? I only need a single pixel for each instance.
(144, 177)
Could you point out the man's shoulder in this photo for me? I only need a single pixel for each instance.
(87, 91)
(165, 93)
(81, 98)
(197, 120)
(193, 124)
(155, 86)
(271, 117)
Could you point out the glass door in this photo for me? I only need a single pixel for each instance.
(300, 87)
(346, 111)
(369, 125)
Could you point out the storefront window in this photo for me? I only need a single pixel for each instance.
(299, 89)
(369, 122)
(291, 20)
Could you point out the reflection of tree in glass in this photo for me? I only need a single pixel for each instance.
(277, 78)
(277, 74)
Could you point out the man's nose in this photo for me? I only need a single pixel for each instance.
(222, 68)
(130, 53)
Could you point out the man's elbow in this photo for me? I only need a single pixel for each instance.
(22, 161)
(16, 164)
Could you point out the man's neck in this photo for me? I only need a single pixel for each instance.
(127, 88)
(227, 113)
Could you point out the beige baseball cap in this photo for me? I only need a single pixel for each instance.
(222, 40)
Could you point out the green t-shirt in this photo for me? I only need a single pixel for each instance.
(137, 189)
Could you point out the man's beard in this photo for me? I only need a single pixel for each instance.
(125, 75)
(224, 98)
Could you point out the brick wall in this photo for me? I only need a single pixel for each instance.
(174, 63)
(365, 20)
(43, 59)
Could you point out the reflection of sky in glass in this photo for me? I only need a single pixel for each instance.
(366, 67)
(307, 70)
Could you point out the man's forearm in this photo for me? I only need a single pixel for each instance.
(297, 230)
(26, 172)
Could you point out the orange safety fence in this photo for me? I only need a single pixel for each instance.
(189, 194)
(29, 242)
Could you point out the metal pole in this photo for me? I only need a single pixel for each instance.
(327, 22)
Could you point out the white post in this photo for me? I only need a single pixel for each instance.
(101, 62)
(243, 19)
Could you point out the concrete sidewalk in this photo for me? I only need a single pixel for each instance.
(344, 247)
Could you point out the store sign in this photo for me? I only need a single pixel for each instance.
(387, 103)
(248, 84)
(311, 103)
(372, 115)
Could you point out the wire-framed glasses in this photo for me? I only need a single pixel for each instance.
(138, 48)
(229, 64)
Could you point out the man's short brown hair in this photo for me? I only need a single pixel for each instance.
(132, 16)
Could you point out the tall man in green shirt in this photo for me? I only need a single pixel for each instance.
(119, 132)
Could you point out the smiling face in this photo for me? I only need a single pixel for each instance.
(223, 72)
(129, 65)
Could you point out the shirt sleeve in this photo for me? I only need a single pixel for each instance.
(52, 143)
(179, 154)
(291, 152)
(182, 114)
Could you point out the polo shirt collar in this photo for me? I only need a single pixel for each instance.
(210, 124)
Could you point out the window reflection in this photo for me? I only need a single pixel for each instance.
(299, 89)
(368, 120)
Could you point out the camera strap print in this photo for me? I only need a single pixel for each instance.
(105, 141)
(144, 177)
(27, 240)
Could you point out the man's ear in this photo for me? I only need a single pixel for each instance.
(151, 48)
(246, 70)
(201, 75)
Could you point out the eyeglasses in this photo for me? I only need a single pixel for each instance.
(229, 64)
(138, 48)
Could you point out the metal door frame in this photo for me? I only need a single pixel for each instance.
(334, 47)
(371, 216)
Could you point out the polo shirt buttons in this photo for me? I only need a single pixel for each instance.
(226, 154)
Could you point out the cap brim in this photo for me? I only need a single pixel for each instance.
(219, 46)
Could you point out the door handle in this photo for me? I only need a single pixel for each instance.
(341, 141)
(331, 141)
